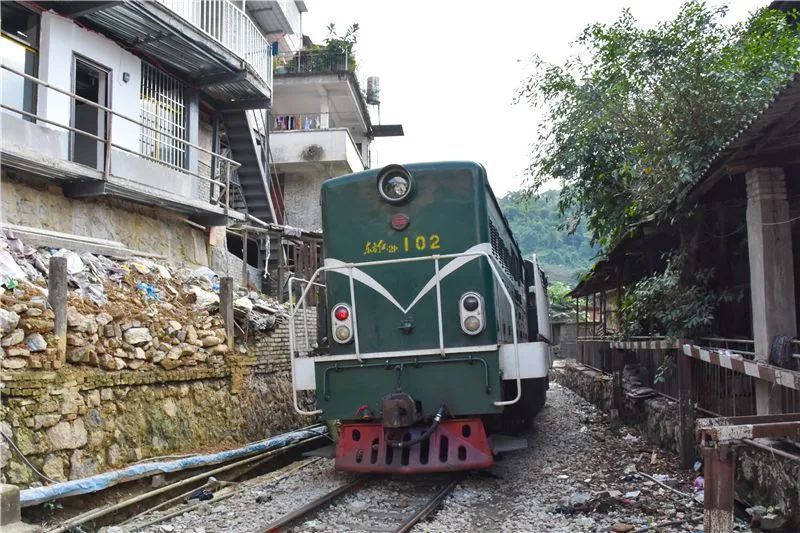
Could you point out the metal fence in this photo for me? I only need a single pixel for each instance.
(719, 391)
(222, 167)
(314, 61)
(229, 26)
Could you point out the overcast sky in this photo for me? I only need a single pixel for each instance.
(449, 69)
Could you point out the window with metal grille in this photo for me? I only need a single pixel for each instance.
(163, 110)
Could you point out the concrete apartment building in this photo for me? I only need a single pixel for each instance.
(158, 127)
(133, 125)
(320, 129)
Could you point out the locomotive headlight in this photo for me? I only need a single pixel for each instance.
(395, 184)
(342, 333)
(472, 324)
(470, 303)
(470, 312)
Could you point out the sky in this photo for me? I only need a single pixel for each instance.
(449, 69)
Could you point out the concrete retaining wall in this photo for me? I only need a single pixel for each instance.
(138, 228)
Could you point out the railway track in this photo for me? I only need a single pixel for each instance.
(378, 505)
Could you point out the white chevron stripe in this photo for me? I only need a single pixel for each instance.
(335, 265)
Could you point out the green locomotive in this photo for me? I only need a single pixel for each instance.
(437, 328)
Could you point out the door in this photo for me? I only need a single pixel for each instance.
(91, 83)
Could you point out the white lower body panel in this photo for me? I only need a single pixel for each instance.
(535, 360)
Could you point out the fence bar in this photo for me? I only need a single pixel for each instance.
(107, 149)
(107, 110)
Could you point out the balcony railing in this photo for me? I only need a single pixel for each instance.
(222, 167)
(229, 26)
(314, 61)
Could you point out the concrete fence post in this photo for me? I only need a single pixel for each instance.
(57, 297)
(226, 307)
(719, 465)
(618, 398)
(686, 400)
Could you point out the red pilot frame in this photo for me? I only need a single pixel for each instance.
(456, 444)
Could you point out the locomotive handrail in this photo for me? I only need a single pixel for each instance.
(302, 299)
(348, 268)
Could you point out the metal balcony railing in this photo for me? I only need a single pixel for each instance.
(229, 26)
(314, 61)
(221, 168)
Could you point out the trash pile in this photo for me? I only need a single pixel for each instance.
(123, 312)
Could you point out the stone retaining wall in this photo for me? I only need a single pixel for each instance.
(80, 419)
(762, 478)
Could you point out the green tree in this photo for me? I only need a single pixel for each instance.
(562, 307)
(636, 113)
(539, 229)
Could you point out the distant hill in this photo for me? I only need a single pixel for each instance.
(537, 226)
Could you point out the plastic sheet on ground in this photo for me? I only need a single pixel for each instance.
(35, 496)
(9, 270)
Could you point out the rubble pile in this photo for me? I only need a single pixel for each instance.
(131, 313)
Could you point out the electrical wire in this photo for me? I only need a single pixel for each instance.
(781, 222)
(25, 459)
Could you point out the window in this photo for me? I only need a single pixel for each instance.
(20, 50)
(163, 110)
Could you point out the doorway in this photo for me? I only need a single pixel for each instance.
(91, 83)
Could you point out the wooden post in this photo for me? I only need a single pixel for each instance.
(718, 474)
(57, 297)
(226, 307)
(686, 401)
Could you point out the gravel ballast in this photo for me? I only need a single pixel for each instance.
(579, 474)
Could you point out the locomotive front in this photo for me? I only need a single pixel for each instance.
(414, 301)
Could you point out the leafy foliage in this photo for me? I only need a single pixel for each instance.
(637, 113)
(562, 307)
(538, 228)
(337, 46)
(668, 305)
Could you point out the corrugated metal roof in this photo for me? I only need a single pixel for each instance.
(783, 101)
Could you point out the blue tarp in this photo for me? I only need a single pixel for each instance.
(39, 495)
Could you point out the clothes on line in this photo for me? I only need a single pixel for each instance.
(297, 122)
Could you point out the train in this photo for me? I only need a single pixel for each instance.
(436, 328)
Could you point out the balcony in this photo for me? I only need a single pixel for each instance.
(99, 157)
(313, 62)
(329, 151)
(211, 43)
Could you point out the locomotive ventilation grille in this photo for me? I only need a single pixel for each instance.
(511, 263)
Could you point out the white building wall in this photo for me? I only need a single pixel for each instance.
(61, 39)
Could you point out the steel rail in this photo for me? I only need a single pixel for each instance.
(314, 505)
(431, 506)
(103, 511)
